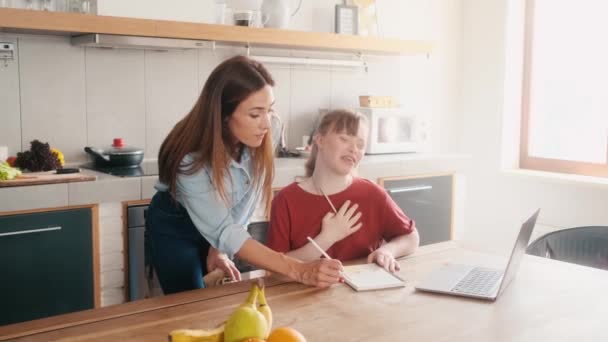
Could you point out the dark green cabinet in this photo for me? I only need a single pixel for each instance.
(46, 264)
(428, 201)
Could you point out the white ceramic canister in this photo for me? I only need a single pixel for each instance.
(3, 153)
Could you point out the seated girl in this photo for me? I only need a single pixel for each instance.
(347, 216)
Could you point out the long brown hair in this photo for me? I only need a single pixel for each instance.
(338, 120)
(205, 134)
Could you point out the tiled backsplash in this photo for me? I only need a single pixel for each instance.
(74, 97)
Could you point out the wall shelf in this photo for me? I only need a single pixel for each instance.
(58, 23)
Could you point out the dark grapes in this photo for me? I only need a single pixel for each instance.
(38, 158)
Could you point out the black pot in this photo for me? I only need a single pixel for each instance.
(117, 155)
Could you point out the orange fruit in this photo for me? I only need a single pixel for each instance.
(285, 334)
(254, 339)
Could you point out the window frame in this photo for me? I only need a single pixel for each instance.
(526, 161)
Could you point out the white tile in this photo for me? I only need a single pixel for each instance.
(124, 189)
(112, 296)
(282, 93)
(10, 107)
(208, 60)
(115, 97)
(53, 94)
(112, 261)
(383, 77)
(147, 187)
(310, 90)
(375, 171)
(346, 87)
(110, 226)
(171, 91)
(115, 278)
(284, 177)
(111, 209)
(33, 197)
(110, 244)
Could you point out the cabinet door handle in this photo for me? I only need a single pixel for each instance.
(31, 231)
(410, 189)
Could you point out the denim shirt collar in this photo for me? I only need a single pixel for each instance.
(245, 157)
(244, 164)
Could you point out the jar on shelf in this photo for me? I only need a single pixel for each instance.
(79, 6)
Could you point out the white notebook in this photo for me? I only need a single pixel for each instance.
(370, 277)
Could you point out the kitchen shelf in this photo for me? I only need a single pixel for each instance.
(58, 23)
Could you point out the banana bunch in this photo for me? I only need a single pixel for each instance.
(264, 308)
(250, 320)
(197, 335)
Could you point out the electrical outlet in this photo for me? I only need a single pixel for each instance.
(7, 51)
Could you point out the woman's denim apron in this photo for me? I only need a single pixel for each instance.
(177, 249)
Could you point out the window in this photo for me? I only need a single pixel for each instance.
(565, 87)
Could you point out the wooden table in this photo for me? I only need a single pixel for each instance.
(547, 301)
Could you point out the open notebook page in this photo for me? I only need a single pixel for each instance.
(370, 277)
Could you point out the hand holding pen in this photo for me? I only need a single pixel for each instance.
(323, 253)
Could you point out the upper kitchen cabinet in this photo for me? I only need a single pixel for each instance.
(24, 21)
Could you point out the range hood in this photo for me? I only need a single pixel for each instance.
(136, 42)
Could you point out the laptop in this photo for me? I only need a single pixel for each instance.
(480, 282)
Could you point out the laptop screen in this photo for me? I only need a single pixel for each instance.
(518, 250)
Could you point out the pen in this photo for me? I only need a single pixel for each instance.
(315, 245)
(328, 201)
(327, 198)
(318, 247)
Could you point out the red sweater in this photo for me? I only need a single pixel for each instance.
(297, 214)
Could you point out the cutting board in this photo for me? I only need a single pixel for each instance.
(49, 177)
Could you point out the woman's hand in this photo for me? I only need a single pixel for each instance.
(215, 259)
(319, 273)
(384, 259)
(336, 227)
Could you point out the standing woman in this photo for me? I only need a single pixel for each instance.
(214, 167)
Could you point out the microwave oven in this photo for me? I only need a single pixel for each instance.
(391, 130)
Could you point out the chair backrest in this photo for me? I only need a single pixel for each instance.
(587, 246)
(259, 231)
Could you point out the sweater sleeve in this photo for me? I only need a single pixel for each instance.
(280, 225)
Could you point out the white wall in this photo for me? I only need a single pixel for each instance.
(75, 97)
(498, 201)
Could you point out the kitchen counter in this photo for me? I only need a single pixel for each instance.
(108, 188)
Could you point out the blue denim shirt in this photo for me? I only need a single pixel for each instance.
(224, 227)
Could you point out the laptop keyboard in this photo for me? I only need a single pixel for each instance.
(479, 282)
